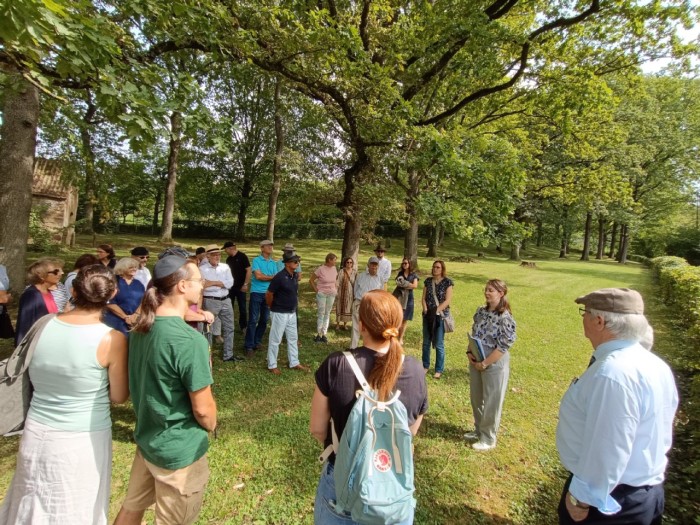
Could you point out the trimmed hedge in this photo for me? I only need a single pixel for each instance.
(680, 288)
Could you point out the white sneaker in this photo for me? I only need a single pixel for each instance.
(480, 445)
(471, 436)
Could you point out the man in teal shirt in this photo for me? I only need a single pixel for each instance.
(264, 269)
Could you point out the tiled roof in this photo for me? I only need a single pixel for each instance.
(47, 180)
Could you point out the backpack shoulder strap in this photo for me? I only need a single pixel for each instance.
(19, 361)
(358, 373)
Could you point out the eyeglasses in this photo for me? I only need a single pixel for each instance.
(582, 310)
(56, 271)
(349, 262)
(143, 256)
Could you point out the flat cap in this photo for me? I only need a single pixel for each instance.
(373, 260)
(229, 244)
(615, 300)
(266, 242)
(168, 265)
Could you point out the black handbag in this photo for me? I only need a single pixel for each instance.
(6, 329)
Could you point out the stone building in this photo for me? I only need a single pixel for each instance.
(60, 200)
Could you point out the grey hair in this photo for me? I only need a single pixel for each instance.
(632, 327)
(124, 265)
(647, 340)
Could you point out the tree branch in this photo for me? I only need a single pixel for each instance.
(559, 23)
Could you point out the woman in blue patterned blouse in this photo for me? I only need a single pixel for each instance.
(494, 327)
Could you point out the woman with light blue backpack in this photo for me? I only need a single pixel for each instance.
(382, 361)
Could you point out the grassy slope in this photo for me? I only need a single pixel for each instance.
(263, 462)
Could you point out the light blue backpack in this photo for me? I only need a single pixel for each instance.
(374, 460)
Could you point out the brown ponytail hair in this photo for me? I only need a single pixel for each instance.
(156, 294)
(381, 315)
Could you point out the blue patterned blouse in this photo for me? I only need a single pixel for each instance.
(494, 330)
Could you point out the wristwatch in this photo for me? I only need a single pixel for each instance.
(577, 503)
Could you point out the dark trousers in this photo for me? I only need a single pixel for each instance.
(640, 506)
(237, 296)
(257, 320)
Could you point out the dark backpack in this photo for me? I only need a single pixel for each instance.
(15, 386)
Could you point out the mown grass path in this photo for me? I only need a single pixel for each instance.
(263, 462)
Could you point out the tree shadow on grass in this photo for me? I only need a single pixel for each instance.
(430, 428)
(589, 270)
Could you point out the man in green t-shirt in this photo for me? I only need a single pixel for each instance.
(170, 382)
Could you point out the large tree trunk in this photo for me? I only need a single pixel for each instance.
(613, 238)
(156, 208)
(601, 238)
(515, 251)
(624, 245)
(89, 161)
(17, 149)
(433, 241)
(410, 248)
(166, 230)
(623, 234)
(587, 236)
(276, 166)
(351, 209)
(540, 234)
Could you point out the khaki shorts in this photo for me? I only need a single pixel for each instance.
(177, 494)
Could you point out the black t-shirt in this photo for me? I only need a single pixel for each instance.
(284, 287)
(238, 264)
(336, 381)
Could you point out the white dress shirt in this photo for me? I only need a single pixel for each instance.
(220, 272)
(384, 270)
(143, 275)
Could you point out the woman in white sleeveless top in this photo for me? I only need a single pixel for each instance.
(64, 464)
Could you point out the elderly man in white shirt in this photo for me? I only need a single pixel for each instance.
(384, 270)
(365, 282)
(217, 281)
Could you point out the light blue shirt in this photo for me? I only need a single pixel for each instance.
(4, 279)
(267, 267)
(615, 423)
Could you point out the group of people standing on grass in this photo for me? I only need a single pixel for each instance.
(615, 421)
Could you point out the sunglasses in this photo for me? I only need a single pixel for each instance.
(55, 272)
(143, 256)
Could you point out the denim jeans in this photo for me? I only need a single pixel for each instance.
(257, 320)
(239, 296)
(324, 511)
(324, 303)
(439, 346)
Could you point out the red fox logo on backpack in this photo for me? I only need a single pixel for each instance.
(382, 460)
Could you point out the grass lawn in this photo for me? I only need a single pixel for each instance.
(263, 462)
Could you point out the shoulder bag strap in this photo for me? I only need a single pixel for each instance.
(19, 361)
(437, 301)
